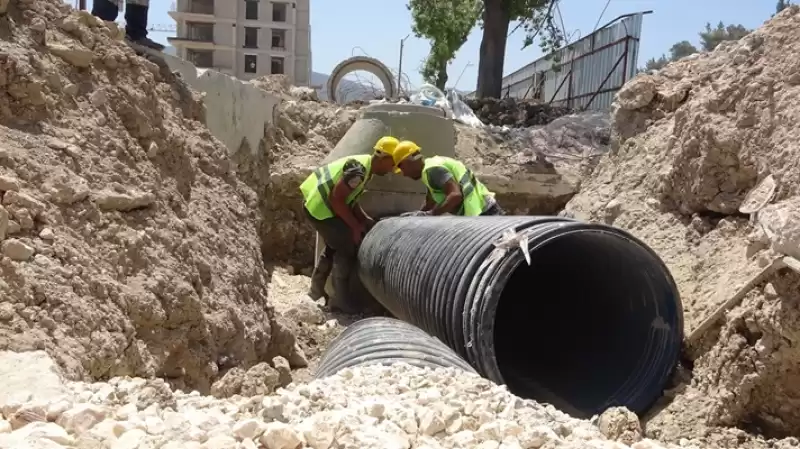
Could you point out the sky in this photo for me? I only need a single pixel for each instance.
(344, 28)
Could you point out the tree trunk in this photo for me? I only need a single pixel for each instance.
(441, 76)
(493, 49)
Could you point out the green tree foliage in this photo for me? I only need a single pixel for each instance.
(535, 17)
(710, 38)
(677, 51)
(446, 23)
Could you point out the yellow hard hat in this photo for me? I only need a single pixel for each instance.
(403, 151)
(386, 144)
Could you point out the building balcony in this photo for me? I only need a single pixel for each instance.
(193, 10)
(193, 41)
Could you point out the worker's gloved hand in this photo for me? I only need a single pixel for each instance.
(417, 213)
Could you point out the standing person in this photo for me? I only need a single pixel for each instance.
(135, 19)
(331, 196)
(452, 187)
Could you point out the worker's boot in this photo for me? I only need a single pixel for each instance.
(320, 275)
(136, 25)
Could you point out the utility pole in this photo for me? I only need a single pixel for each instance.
(400, 66)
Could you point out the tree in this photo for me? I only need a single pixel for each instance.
(712, 37)
(679, 50)
(781, 5)
(446, 23)
(534, 17)
(656, 64)
(682, 49)
(709, 40)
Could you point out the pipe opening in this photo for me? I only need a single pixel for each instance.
(587, 325)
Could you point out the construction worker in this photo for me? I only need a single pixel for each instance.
(136, 12)
(331, 203)
(452, 187)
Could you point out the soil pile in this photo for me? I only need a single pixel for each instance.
(514, 113)
(129, 246)
(705, 168)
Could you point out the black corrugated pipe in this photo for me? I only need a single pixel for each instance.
(594, 320)
(386, 340)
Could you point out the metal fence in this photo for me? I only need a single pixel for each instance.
(589, 71)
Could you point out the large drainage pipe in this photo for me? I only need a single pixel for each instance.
(593, 321)
(385, 341)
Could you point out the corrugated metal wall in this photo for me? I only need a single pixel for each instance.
(591, 69)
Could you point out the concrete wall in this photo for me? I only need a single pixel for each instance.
(235, 110)
(223, 34)
(225, 9)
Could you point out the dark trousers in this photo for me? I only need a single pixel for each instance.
(338, 259)
(135, 16)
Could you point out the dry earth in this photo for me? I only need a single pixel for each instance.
(129, 245)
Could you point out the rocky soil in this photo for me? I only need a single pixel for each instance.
(691, 142)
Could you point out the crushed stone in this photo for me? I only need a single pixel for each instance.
(375, 406)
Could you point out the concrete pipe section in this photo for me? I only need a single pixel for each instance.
(393, 194)
(366, 64)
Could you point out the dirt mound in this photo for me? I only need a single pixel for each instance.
(129, 247)
(514, 113)
(690, 142)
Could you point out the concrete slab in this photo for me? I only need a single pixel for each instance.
(236, 111)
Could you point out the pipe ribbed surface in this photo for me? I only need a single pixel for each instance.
(385, 341)
(594, 321)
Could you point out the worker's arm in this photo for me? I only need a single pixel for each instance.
(451, 201)
(429, 203)
(441, 180)
(353, 174)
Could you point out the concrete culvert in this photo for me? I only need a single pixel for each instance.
(594, 321)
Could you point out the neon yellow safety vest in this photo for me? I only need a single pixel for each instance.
(473, 191)
(318, 186)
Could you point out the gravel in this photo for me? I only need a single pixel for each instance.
(376, 406)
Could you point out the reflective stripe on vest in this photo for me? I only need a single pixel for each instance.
(472, 190)
(318, 186)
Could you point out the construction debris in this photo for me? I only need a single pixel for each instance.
(704, 169)
(515, 113)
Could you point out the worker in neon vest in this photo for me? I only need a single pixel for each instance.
(331, 204)
(452, 187)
